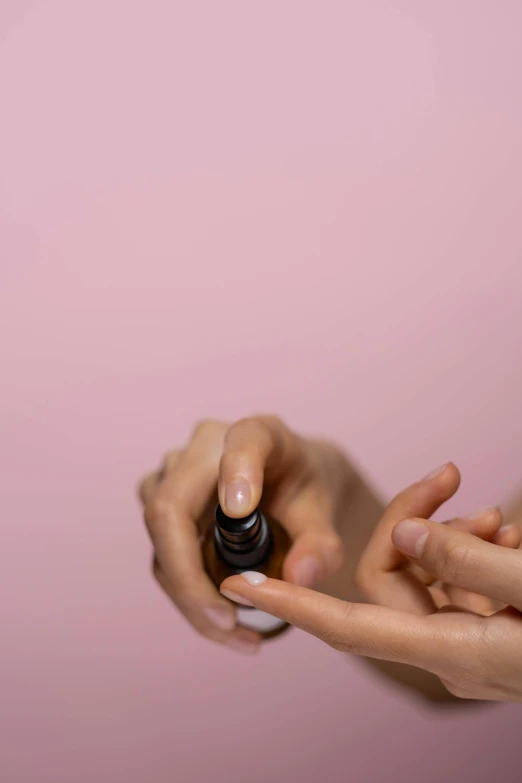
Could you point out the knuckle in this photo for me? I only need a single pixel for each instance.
(170, 461)
(406, 503)
(257, 427)
(456, 690)
(334, 640)
(206, 428)
(270, 421)
(183, 598)
(157, 513)
(207, 632)
(244, 435)
(468, 683)
(474, 672)
(143, 487)
(455, 560)
(335, 548)
(338, 636)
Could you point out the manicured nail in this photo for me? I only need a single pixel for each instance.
(437, 472)
(482, 512)
(308, 571)
(243, 645)
(237, 496)
(410, 537)
(237, 599)
(221, 617)
(254, 577)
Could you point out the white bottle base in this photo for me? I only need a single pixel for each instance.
(257, 620)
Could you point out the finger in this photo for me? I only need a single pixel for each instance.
(169, 464)
(462, 560)
(429, 494)
(171, 515)
(257, 451)
(372, 631)
(149, 484)
(484, 523)
(263, 453)
(509, 536)
(439, 595)
(147, 487)
(381, 574)
(465, 601)
(469, 602)
(317, 550)
(241, 640)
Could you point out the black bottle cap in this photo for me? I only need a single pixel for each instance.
(236, 527)
(242, 543)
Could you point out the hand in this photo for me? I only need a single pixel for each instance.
(386, 578)
(304, 483)
(475, 656)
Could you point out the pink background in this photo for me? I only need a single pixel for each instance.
(211, 209)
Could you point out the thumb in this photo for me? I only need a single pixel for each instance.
(462, 560)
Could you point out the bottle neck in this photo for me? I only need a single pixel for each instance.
(242, 543)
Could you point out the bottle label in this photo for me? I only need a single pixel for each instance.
(257, 620)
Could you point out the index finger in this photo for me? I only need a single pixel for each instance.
(263, 453)
(257, 451)
(360, 629)
(380, 573)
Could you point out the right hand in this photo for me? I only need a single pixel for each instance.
(386, 578)
(304, 483)
(475, 656)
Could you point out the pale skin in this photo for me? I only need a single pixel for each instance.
(438, 613)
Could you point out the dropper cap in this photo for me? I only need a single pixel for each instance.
(242, 543)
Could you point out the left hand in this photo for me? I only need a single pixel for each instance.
(306, 485)
(475, 656)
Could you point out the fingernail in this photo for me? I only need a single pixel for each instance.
(254, 577)
(237, 599)
(505, 528)
(308, 571)
(237, 496)
(221, 617)
(410, 537)
(481, 512)
(435, 473)
(243, 646)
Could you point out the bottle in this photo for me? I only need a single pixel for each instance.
(254, 543)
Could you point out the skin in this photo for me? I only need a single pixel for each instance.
(474, 655)
(343, 547)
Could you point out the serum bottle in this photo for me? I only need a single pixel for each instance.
(254, 543)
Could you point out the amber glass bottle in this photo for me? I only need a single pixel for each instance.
(254, 543)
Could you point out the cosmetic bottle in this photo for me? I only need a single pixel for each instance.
(254, 543)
